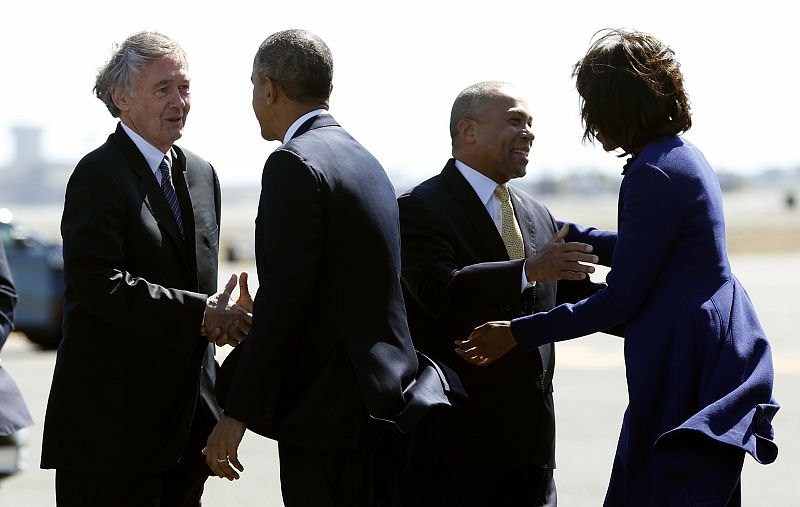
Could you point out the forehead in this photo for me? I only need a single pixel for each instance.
(508, 102)
(166, 69)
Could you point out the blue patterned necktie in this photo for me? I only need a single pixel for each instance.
(169, 193)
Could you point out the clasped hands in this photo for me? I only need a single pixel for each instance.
(225, 322)
(557, 260)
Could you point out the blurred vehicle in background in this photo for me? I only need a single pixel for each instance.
(37, 267)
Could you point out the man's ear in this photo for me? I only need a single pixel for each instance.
(272, 91)
(467, 131)
(120, 101)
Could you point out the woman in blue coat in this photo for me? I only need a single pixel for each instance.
(698, 365)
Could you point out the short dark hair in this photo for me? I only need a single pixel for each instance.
(472, 102)
(300, 63)
(128, 60)
(631, 89)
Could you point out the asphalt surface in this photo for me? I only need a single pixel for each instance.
(590, 397)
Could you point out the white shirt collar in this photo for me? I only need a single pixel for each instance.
(298, 122)
(152, 155)
(482, 184)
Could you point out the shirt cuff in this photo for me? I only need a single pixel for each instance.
(525, 283)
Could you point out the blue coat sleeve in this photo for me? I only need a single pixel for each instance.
(649, 222)
(603, 242)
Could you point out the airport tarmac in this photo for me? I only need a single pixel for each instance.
(590, 397)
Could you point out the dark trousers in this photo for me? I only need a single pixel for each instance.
(438, 475)
(455, 486)
(370, 476)
(179, 486)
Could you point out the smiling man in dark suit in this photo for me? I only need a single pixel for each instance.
(329, 361)
(132, 402)
(475, 248)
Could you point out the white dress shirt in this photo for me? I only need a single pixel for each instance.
(298, 122)
(152, 155)
(485, 187)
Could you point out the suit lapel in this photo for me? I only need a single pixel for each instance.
(474, 211)
(482, 223)
(526, 223)
(181, 178)
(152, 195)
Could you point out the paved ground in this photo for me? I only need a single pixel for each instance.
(590, 398)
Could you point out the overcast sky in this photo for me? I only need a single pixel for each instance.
(397, 70)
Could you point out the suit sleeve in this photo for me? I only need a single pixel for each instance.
(650, 222)
(97, 253)
(8, 298)
(291, 216)
(442, 285)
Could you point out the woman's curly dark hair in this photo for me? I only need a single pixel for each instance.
(631, 90)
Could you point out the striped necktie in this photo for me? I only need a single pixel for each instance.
(509, 231)
(169, 193)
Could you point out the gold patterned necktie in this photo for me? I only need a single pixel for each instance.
(509, 231)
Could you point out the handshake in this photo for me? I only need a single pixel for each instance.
(225, 322)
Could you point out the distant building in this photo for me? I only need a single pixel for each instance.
(29, 178)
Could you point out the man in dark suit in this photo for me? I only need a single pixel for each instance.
(476, 249)
(328, 368)
(14, 413)
(131, 402)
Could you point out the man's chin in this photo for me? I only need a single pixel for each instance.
(176, 135)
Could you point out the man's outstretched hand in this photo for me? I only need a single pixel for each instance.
(557, 260)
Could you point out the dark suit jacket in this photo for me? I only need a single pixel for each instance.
(329, 346)
(457, 276)
(132, 362)
(13, 411)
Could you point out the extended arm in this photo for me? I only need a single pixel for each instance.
(446, 282)
(651, 221)
(290, 236)
(98, 225)
(455, 286)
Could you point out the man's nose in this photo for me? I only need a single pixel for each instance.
(177, 99)
(527, 133)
